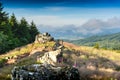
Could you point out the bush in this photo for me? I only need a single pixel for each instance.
(96, 46)
(2, 62)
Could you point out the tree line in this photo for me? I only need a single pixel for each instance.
(14, 33)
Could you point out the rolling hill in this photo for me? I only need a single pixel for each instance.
(111, 41)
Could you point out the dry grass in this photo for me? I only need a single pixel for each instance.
(86, 56)
(5, 71)
(26, 49)
(94, 64)
(109, 54)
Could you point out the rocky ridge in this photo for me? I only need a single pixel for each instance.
(47, 69)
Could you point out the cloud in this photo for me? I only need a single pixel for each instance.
(69, 21)
(54, 20)
(54, 16)
(59, 16)
(89, 28)
(96, 23)
(113, 22)
(95, 26)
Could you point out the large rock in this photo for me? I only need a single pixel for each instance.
(42, 38)
(40, 72)
(50, 57)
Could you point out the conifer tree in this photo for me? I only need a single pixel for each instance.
(33, 31)
(14, 24)
(23, 32)
(13, 33)
(3, 15)
(3, 42)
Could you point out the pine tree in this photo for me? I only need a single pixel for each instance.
(33, 31)
(14, 33)
(3, 42)
(4, 25)
(14, 24)
(23, 32)
(3, 15)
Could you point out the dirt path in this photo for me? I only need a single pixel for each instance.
(70, 45)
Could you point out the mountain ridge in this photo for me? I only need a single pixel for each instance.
(110, 41)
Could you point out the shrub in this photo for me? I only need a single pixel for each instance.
(96, 46)
(2, 62)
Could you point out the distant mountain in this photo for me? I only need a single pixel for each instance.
(91, 27)
(64, 32)
(72, 32)
(111, 41)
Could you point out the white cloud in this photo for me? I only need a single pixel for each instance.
(95, 26)
(54, 20)
(48, 15)
(91, 27)
(113, 22)
(75, 20)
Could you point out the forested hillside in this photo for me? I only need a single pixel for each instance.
(111, 41)
(14, 33)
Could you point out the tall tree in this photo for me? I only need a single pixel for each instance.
(23, 32)
(3, 15)
(14, 33)
(33, 31)
(3, 42)
(4, 25)
(14, 24)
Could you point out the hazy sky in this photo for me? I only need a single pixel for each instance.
(63, 12)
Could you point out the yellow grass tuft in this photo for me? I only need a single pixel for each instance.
(109, 54)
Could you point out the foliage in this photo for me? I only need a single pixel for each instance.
(3, 42)
(13, 33)
(3, 15)
(118, 68)
(33, 31)
(2, 62)
(96, 46)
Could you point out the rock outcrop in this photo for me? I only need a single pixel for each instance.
(42, 38)
(41, 72)
(47, 69)
(50, 57)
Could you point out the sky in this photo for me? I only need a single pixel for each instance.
(62, 12)
(93, 14)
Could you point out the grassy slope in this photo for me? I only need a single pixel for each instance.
(82, 55)
(5, 71)
(105, 64)
(110, 54)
